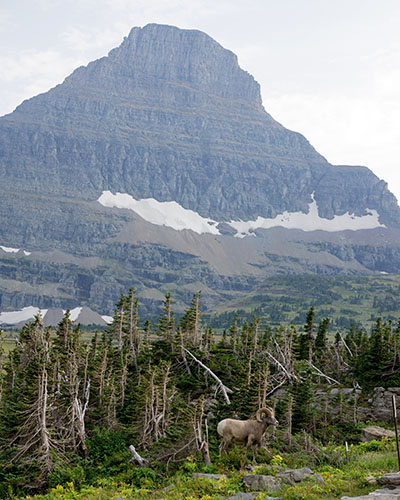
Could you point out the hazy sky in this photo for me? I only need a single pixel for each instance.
(329, 69)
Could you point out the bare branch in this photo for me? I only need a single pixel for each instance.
(322, 374)
(275, 389)
(289, 375)
(225, 390)
(344, 343)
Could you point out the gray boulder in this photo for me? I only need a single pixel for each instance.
(249, 496)
(373, 496)
(390, 479)
(382, 494)
(381, 403)
(291, 476)
(375, 432)
(212, 477)
(259, 482)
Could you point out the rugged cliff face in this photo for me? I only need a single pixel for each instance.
(168, 115)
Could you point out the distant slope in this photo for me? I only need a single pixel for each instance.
(287, 299)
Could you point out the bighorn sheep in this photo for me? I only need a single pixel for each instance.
(249, 432)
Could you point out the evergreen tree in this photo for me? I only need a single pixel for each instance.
(131, 326)
(116, 330)
(378, 357)
(306, 340)
(321, 340)
(234, 331)
(166, 326)
(303, 411)
(190, 322)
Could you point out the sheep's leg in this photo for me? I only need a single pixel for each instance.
(255, 448)
(227, 438)
(252, 442)
(223, 447)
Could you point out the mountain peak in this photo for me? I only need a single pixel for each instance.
(167, 61)
(173, 131)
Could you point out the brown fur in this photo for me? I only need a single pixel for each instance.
(248, 432)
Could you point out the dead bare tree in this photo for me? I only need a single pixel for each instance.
(132, 320)
(80, 409)
(200, 435)
(263, 383)
(158, 398)
(34, 441)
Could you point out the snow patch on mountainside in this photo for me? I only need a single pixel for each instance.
(14, 317)
(167, 213)
(108, 319)
(173, 215)
(310, 221)
(78, 315)
(74, 313)
(13, 250)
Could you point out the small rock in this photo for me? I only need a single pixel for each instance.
(318, 478)
(391, 478)
(249, 496)
(243, 496)
(291, 476)
(168, 488)
(374, 432)
(377, 495)
(371, 480)
(212, 477)
(371, 496)
(257, 482)
(391, 491)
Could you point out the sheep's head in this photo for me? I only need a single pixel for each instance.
(266, 415)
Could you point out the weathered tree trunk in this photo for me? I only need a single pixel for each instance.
(137, 459)
(202, 439)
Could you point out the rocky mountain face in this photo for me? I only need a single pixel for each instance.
(169, 115)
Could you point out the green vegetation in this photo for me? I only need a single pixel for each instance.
(286, 299)
(71, 405)
(341, 476)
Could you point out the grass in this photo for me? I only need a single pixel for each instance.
(342, 475)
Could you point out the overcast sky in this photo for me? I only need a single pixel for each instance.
(329, 69)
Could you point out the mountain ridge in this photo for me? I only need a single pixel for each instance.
(168, 115)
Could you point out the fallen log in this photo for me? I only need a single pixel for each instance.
(137, 459)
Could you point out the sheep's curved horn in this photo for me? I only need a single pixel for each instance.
(267, 411)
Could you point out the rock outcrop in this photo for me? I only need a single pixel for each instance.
(381, 403)
(374, 432)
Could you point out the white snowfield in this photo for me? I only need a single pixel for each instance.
(74, 313)
(173, 215)
(13, 250)
(14, 317)
(108, 319)
(310, 221)
(28, 313)
(167, 213)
